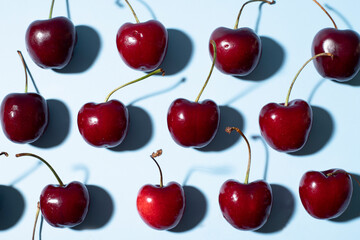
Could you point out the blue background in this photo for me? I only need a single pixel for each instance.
(115, 176)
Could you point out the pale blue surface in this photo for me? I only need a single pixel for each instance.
(114, 176)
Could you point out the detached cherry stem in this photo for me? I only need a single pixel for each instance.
(36, 219)
(211, 70)
(45, 162)
(332, 20)
(51, 8)
(297, 74)
(133, 12)
(229, 130)
(4, 153)
(241, 9)
(160, 70)
(26, 76)
(153, 156)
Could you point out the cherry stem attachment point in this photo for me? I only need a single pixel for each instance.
(211, 70)
(45, 162)
(4, 153)
(24, 64)
(241, 9)
(51, 8)
(133, 12)
(160, 70)
(297, 74)
(153, 156)
(36, 219)
(229, 130)
(332, 20)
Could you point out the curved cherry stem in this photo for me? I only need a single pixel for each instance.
(160, 70)
(229, 130)
(51, 9)
(26, 76)
(211, 70)
(153, 156)
(46, 163)
(133, 12)
(4, 153)
(36, 219)
(332, 20)
(297, 74)
(241, 9)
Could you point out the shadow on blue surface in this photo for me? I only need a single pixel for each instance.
(12, 205)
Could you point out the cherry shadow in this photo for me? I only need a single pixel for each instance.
(101, 209)
(339, 15)
(195, 209)
(229, 117)
(353, 210)
(179, 52)
(58, 126)
(321, 132)
(140, 130)
(355, 82)
(282, 210)
(271, 61)
(12, 205)
(85, 52)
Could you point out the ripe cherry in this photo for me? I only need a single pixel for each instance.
(161, 207)
(106, 124)
(245, 206)
(24, 116)
(194, 124)
(286, 126)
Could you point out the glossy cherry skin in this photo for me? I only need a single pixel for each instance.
(246, 206)
(64, 206)
(193, 124)
(161, 207)
(142, 46)
(105, 124)
(326, 194)
(238, 50)
(286, 129)
(24, 117)
(345, 46)
(50, 43)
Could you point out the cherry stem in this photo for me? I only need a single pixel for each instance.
(211, 70)
(229, 130)
(134, 81)
(153, 156)
(46, 163)
(133, 12)
(326, 13)
(297, 74)
(51, 8)
(238, 17)
(4, 153)
(36, 219)
(26, 76)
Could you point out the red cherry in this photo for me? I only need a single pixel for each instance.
(238, 49)
(24, 116)
(245, 206)
(50, 43)
(61, 205)
(194, 124)
(142, 46)
(344, 45)
(326, 194)
(64, 206)
(286, 126)
(106, 124)
(161, 207)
